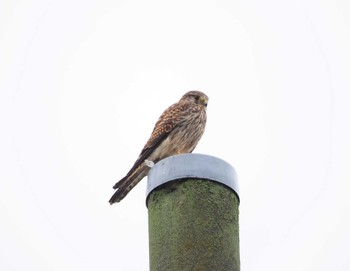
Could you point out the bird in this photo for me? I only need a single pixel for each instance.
(177, 131)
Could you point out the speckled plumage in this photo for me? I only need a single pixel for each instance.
(177, 131)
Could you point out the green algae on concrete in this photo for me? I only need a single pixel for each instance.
(193, 225)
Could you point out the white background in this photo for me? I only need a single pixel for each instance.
(82, 84)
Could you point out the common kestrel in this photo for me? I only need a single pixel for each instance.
(177, 131)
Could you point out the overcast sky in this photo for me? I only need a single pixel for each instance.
(82, 84)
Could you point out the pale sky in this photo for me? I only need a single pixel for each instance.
(83, 82)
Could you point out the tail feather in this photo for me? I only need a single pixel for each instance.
(127, 183)
(120, 183)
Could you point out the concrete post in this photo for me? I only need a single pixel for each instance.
(193, 204)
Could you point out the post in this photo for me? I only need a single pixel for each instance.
(192, 202)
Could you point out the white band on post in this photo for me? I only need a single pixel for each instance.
(196, 166)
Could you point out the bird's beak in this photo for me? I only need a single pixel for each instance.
(204, 102)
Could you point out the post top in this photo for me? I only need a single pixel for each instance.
(197, 166)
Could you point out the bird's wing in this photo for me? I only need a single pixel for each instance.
(170, 118)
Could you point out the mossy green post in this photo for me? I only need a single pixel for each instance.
(193, 225)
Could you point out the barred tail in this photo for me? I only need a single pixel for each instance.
(125, 185)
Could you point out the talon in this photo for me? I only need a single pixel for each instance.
(149, 163)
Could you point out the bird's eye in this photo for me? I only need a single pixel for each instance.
(196, 98)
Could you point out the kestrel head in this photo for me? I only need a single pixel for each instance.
(197, 97)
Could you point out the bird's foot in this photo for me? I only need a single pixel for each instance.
(149, 163)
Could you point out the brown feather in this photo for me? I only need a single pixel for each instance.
(178, 130)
